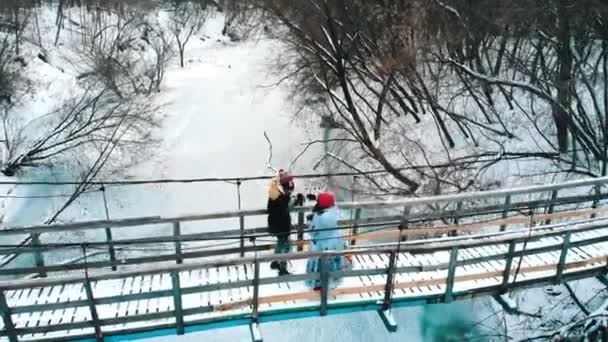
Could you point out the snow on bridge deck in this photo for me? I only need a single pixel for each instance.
(63, 311)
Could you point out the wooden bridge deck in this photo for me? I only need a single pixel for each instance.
(499, 249)
(140, 302)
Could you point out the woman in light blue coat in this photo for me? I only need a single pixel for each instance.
(325, 236)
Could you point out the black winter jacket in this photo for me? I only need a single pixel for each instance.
(279, 219)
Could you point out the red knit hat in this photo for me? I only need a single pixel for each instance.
(326, 200)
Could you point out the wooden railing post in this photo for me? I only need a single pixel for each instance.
(598, 191)
(177, 235)
(506, 273)
(456, 219)
(38, 256)
(562, 258)
(324, 284)
(405, 221)
(255, 301)
(390, 275)
(241, 217)
(94, 316)
(505, 212)
(300, 229)
(449, 286)
(355, 230)
(254, 327)
(111, 250)
(9, 326)
(551, 206)
(177, 303)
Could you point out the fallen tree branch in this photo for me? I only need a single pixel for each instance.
(269, 163)
(576, 300)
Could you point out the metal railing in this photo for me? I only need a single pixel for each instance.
(498, 210)
(552, 273)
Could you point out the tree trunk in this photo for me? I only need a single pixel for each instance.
(564, 57)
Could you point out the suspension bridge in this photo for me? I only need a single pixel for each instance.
(154, 276)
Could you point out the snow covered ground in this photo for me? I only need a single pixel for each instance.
(219, 107)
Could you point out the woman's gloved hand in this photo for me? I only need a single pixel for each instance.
(299, 200)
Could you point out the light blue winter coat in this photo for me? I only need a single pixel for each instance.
(326, 237)
(324, 233)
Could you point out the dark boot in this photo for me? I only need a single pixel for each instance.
(274, 265)
(283, 270)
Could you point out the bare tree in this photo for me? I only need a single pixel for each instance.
(127, 53)
(186, 19)
(82, 126)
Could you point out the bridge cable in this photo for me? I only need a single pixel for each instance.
(235, 179)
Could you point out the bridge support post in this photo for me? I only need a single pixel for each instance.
(385, 312)
(38, 257)
(256, 291)
(388, 319)
(506, 274)
(9, 326)
(111, 250)
(324, 284)
(405, 222)
(177, 234)
(256, 333)
(254, 326)
(355, 229)
(177, 303)
(300, 230)
(94, 316)
(505, 213)
(241, 217)
(551, 207)
(456, 219)
(449, 286)
(598, 192)
(562, 259)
